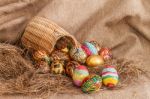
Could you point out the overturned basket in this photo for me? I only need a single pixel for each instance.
(43, 34)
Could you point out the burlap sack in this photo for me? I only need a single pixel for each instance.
(122, 25)
(14, 15)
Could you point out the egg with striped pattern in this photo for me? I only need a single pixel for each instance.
(89, 48)
(110, 76)
(79, 74)
(92, 83)
(96, 44)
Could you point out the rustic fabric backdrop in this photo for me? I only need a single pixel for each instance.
(123, 25)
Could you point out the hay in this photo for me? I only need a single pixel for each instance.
(18, 77)
(128, 72)
(11, 62)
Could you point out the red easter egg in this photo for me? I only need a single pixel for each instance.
(105, 53)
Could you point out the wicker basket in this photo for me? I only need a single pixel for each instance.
(43, 34)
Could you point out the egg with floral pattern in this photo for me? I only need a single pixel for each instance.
(91, 84)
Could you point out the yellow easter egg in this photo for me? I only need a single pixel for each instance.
(109, 81)
(57, 67)
(94, 60)
(65, 50)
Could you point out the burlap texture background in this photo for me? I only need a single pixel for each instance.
(123, 25)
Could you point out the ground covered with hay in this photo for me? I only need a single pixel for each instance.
(17, 75)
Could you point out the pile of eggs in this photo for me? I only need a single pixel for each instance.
(77, 62)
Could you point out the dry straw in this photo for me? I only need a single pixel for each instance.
(17, 76)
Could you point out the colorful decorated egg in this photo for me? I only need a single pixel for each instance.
(57, 67)
(58, 55)
(65, 50)
(96, 44)
(62, 43)
(78, 55)
(70, 67)
(79, 74)
(41, 55)
(110, 76)
(38, 55)
(89, 48)
(91, 84)
(94, 60)
(105, 53)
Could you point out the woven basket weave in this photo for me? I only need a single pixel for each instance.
(43, 34)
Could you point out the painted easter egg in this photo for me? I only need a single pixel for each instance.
(94, 60)
(91, 84)
(96, 44)
(41, 55)
(110, 76)
(58, 55)
(105, 53)
(79, 74)
(57, 67)
(65, 50)
(78, 55)
(62, 43)
(70, 67)
(89, 48)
